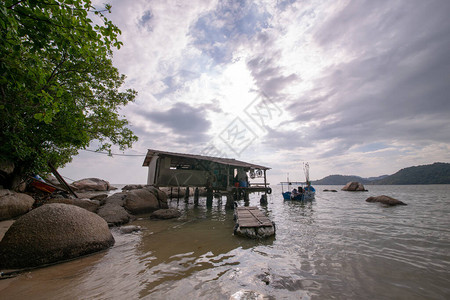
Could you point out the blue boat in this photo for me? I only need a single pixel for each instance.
(299, 193)
(306, 193)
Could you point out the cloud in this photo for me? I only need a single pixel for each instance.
(358, 83)
(219, 32)
(269, 77)
(182, 120)
(392, 86)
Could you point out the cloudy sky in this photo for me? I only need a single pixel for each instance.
(352, 87)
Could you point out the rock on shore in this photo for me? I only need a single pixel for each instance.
(14, 204)
(92, 184)
(53, 233)
(117, 207)
(90, 205)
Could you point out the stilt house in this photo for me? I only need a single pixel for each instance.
(169, 169)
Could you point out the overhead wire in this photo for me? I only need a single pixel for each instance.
(112, 154)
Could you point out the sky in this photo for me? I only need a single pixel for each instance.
(352, 87)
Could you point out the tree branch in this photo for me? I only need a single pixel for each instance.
(15, 4)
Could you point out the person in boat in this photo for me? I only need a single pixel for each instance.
(300, 190)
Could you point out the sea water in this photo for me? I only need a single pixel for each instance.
(335, 247)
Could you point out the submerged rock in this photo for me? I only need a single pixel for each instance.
(14, 204)
(354, 186)
(248, 294)
(129, 229)
(169, 213)
(385, 200)
(52, 233)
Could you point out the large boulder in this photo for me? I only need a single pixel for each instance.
(52, 233)
(141, 201)
(114, 214)
(14, 204)
(88, 204)
(92, 184)
(160, 195)
(385, 200)
(354, 186)
(116, 199)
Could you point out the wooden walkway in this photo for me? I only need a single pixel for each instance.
(252, 222)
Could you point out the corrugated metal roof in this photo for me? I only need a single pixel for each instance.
(219, 160)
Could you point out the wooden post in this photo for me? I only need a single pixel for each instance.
(265, 181)
(263, 200)
(186, 195)
(61, 180)
(228, 176)
(196, 196)
(246, 197)
(209, 197)
(230, 201)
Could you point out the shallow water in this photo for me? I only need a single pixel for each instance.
(336, 247)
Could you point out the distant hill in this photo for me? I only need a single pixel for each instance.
(372, 179)
(338, 179)
(437, 173)
(343, 179)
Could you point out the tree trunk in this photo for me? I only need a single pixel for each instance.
(14, 181)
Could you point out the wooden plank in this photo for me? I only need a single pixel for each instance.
(252, 217)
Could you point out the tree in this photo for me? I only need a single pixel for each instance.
(58, 87)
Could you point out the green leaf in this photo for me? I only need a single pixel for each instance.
(59, 87)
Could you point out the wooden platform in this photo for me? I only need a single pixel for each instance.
(251, 216)
(251, 222)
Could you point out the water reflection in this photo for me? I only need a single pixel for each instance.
(201, 239)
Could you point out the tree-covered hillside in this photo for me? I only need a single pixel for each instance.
(437, 173)
(339, 180)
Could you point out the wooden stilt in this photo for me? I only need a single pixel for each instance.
(209, 197)
(230, 201)
(186, 195)
(196, 193)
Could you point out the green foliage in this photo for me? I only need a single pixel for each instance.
(58, 87)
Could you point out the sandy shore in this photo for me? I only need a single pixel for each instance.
(4, 226)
